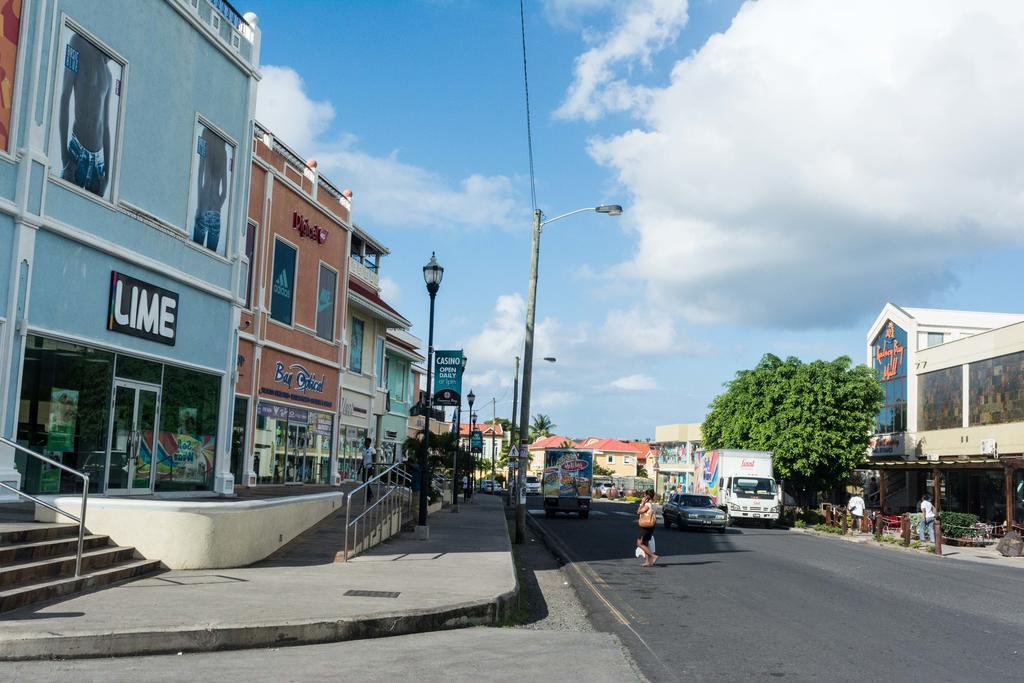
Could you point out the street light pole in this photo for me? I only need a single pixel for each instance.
(494, 419)
(432, 274)
(470, 398)
(531, 309)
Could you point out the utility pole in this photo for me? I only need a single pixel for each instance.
(524, 408)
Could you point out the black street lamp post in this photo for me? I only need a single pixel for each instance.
(470, 397)
(432, 274)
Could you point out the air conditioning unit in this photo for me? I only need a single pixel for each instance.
(989, 447)
(932, 457)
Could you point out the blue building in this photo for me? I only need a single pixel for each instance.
(126, 137)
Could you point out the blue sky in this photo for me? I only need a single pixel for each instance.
(786, 167)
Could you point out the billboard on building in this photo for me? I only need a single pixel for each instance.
(213, 162)
(10, 28)
(889, 360)
(88, 112)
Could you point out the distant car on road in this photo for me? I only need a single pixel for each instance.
(532, 484)
(687, 510)
(490, 486)
(602, 487)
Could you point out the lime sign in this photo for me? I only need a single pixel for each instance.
(448, 378)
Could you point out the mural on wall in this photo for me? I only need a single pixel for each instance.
(84, 145)
(706, 477)
(213, 163)
(10, 28)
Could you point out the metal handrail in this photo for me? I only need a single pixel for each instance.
(384, 507)
(85, 495)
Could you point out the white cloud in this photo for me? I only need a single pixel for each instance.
(635, 383)
(549, 401)
(641, 28)
(819, 158)
(389, 290)
(283, 105)
(640, 332)
(387, 191)
(492, 351)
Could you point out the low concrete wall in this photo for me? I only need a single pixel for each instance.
(199, 535)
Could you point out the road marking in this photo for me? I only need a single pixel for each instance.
(582, 569)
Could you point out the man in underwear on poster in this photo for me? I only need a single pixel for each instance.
(87, 152)
(212, 190)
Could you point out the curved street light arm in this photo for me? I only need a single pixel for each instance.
(564, 215)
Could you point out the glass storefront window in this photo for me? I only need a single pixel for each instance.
(187, 447)
(64, 414)
(292, 445)
(138, 369)
(940, 399)
(351, 456)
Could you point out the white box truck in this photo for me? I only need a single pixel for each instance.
(742, 482)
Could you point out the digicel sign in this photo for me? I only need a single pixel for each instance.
(314, 232)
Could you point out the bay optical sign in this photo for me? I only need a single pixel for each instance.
(142, 310)
(448, 378)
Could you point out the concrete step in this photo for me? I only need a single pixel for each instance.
(32, 532)
(20, 596)
(27, 552)
(47, 569)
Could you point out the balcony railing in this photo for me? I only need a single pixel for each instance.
(364, 273)
(228, 11)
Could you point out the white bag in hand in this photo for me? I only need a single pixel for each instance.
(640, 553)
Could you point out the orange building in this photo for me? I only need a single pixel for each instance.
(288, 388)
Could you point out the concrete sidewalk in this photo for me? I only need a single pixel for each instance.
(462, 576)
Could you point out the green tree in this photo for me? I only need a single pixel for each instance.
(816, 418)
(602, 471)
(541, 427)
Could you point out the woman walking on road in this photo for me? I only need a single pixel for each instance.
(647, 522)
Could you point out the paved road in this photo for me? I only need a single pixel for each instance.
(758, 603)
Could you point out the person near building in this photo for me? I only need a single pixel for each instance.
(369, 457)
(856, 508)
(927, 522)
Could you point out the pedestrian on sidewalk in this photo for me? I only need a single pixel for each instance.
(856, 508)
(369, 457)
(647, 520)
(927, 518)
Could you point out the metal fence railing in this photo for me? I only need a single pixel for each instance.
(85, 495)
(387, 505)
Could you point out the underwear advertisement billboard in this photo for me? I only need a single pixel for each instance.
(84, 145)
(10, 27)
(213, 165)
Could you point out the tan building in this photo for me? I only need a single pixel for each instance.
(675, 446)
(952, 424)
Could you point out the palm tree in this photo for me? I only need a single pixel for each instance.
(542, 426)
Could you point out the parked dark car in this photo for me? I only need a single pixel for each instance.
(691, 510)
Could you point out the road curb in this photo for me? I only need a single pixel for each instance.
(491, 611)
(156, 642)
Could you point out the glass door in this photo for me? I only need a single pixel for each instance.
(132, 447)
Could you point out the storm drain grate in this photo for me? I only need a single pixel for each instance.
(371, 594)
